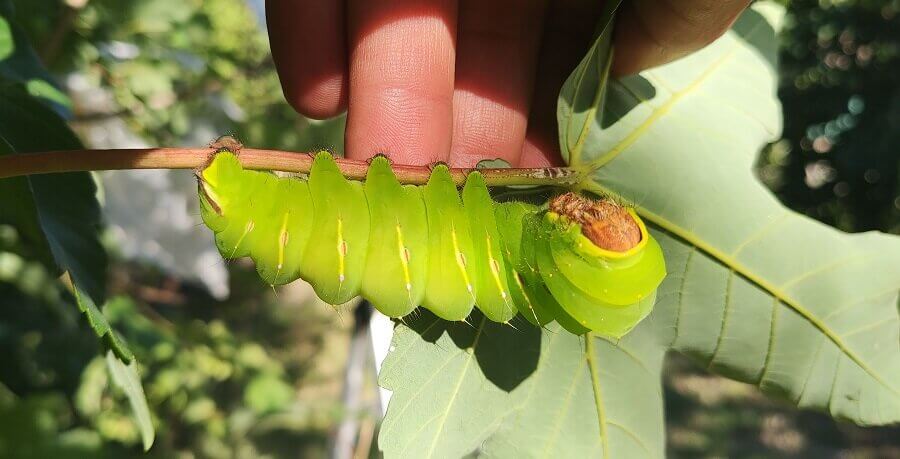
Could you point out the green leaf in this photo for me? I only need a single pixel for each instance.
(19, 63)
(585, 91)
(755, 291)
(6, 39)
(126, 377)
(502, 391)
(58, 215)
(101, 327)
(268, 393)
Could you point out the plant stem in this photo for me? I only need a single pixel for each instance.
(194, 158)
(591, 357)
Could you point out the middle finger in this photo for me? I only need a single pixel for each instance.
(402, 55)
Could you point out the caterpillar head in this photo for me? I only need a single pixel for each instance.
(606, 224)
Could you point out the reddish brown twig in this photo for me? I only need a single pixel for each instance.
(193, 158)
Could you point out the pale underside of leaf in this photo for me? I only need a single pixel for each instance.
(540, 416)
(743, 269)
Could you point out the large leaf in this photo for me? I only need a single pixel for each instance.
(755, 291)
(519, 392)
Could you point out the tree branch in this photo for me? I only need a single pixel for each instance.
(194, 158)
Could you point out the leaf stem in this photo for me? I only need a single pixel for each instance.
(194, 158)
(591, 358)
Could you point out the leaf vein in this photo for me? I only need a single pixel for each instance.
(765, 229)
(455, 393)
(771, 346)
(812, 366)
(590, 357)
(870, 326)
(563, 409)
(752, 277)
(633, 436)
(684, 277)
(729, 282)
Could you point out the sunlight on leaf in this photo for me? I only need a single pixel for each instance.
(755, 291)
(6, 40)
(101, 326)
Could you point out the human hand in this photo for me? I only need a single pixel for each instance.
(464, 80)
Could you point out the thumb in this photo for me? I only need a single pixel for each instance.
(654, 32)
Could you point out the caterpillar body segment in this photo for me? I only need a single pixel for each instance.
(492, 291)
(515, 219)
(394, 277)
(450, 289)
(588, 264)
(628, 274)
(533, 239)
(335, 255)
(291, 228)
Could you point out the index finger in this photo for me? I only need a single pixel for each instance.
(655, 32)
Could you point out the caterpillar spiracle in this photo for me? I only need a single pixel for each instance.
(588, 264)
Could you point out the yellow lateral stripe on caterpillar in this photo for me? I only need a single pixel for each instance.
(589, 264)
(249, 228)
(282, 242)
(461, 262)
(403, 254)
(495, 272)
(341, 250)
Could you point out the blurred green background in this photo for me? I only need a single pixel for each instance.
(260, 374)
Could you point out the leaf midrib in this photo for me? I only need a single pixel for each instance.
(754, 278)
(462, 377)
(591, 357)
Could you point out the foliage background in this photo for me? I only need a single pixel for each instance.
(259, 373)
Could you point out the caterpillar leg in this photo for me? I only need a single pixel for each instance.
(394, 276)
(335, 255)
(449, 291)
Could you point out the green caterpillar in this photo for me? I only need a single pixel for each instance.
(401, 246)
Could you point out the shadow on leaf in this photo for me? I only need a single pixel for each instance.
(506, 353)
(622, 96)
(757, 32)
